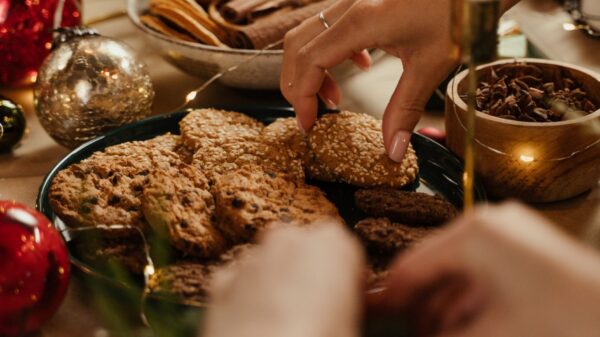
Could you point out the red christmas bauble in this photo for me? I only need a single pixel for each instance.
(34, 269)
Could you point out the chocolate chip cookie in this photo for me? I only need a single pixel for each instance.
(210, 128)
(411, 208)
(351, 146)
(178, 205)
(106, 188)
(188, 282)
(97, 249)
(250, 199)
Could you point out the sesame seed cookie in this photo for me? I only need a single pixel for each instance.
(351, 146)
(284, 133)
(172, 143)
(177, 204)
(218, 160)
(105, 189)
(411, 208)
(210, 127)
(252, 198)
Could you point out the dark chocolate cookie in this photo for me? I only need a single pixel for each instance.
(410, 208)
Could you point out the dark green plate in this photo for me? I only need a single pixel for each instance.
(440, 172)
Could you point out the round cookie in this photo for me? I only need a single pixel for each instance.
(210, 127)
(186, 282)
(284, 133)
(176, 203)
(172, 143)
(251, 199)
(105, 189)
(218, 160)
(351, 146)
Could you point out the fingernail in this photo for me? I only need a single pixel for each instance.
(330, 104)
(300, 127)
(399, 146)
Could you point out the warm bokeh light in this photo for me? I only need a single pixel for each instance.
(526, 158)
(569, 26)
(191, 96)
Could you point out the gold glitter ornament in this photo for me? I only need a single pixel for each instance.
(88, 85)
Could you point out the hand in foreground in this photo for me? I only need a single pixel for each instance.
(300, 282)
(416, 31)
(502, 271)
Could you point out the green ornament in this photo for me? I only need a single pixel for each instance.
(12, 124)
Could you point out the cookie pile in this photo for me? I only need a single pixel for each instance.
(219, 184)
(396, 221)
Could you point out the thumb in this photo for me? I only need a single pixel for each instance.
(420, 78)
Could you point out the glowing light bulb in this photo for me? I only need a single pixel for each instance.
(191, 96)
(569, 26)
(149, 270)
(526, 158)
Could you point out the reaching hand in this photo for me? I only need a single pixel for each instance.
(298, 283)
(502, 271)
(417, 31)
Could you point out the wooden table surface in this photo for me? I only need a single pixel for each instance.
(22, 171)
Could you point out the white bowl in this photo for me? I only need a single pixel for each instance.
(261, 72)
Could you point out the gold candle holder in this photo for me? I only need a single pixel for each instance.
(474, 33)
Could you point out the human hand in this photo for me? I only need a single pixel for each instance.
(416, 31)
(502, 271)
(299, 282)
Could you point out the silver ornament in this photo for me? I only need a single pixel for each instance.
(88, 85)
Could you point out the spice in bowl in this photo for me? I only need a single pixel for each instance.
(523, 92)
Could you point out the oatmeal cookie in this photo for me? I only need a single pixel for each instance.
(190, 280)
(173, 143)
(105, 189)
(284, 133)
(351, 146)
(103, 251)
(210, 128)
(177, 204)
(411, 208)
(184, 281)
(252, 198)
(219, 160)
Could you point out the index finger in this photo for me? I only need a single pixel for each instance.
(328, 49)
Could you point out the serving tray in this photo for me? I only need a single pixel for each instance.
(440, 172)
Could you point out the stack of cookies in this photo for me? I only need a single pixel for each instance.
(218, 185)
(395, 221)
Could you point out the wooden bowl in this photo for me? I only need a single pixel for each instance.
(532, 161)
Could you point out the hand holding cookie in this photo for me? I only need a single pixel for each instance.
(415, 31)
